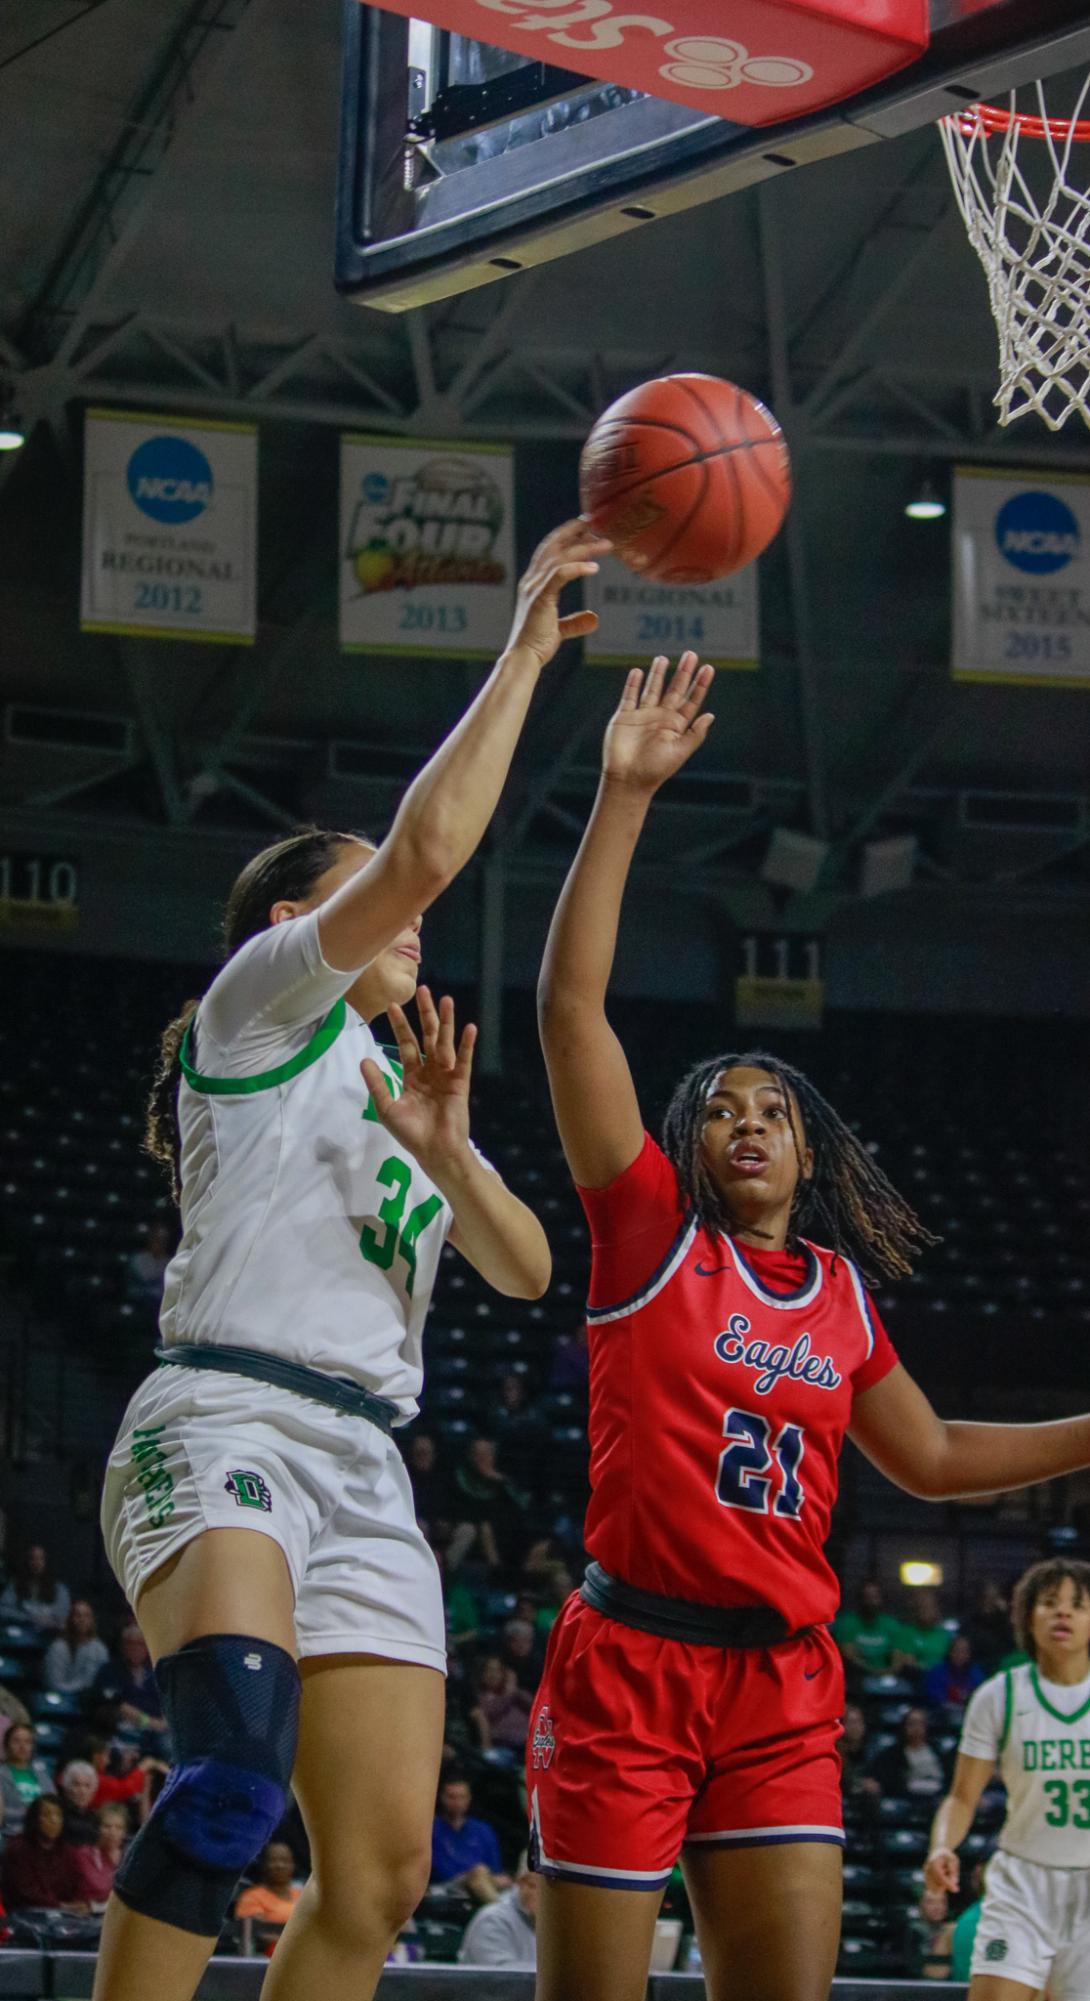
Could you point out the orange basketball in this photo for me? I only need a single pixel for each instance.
(689, 477)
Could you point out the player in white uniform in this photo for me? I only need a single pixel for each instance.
(1033, 1721)
(255, 1508)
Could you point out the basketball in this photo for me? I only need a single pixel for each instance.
(689, 476)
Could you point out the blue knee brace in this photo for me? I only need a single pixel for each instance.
(233, 1708)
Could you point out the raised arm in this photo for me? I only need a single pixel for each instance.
(450, 803)
(653, 733)
(941, 1459)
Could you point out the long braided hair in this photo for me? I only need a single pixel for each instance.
(847, 1200)
(286, 872)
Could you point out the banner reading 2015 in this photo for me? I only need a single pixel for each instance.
(1022, 577)
(169, 527)
(427, 547)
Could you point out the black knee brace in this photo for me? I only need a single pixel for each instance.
(233, 1708)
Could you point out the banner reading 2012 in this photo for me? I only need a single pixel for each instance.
(1022, 577)
(427, 547)
(169, 527)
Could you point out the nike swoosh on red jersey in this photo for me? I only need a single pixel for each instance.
(709, 1271)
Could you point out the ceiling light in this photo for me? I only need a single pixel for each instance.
(916, 1573)
(927, 504)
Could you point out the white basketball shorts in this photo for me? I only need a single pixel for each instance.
(1035, 1927)
(200, 1450)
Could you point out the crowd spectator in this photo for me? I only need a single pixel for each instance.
(929, 1938)
(464, 1851)
(77, 1786)
(429, 1482)
(522, 1652)
(97, 1864)
(269, 1903)
(518, 1427)
(911, 1765)
(487, 1506)
(857, 1781)
(504, 1933)
(23, 1777)
(988, 1626)
(125, 1788)
(949, 1684)
(501, 1713)
(964, 1938)
(870, 1637)
(39, 1869)
(147, 1268)
(558, 1585)
(925, 1635)
(11, 1710)
(128, 1686)
(74, 1658)
(35, 1594)
(464, 1614)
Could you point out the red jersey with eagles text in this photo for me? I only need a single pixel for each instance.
(721, 1387)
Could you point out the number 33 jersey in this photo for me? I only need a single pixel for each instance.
(722, 1382)
(307, 1231)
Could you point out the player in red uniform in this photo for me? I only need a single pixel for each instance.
(692, 1693)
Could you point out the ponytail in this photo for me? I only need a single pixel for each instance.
(287, 872)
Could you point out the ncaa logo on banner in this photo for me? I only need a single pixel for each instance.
(170, 480)
(1037, 532)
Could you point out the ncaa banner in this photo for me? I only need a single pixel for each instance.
(637, 618)
(1021, 577)
(169, 527)
(427, 547)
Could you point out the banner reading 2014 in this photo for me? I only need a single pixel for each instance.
(169, 527)
(1022, 577)
(638, 618)
(427, 547)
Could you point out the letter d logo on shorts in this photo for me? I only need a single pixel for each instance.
(170, 480)
(1037, 532)
(249, 1490)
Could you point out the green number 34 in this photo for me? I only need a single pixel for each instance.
(400, 1232)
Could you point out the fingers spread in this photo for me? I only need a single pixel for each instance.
(408, 1048)
(652, 687)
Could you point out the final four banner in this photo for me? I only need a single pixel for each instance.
(427, 547)
(169, 527)
(1022, 577)
(637, 618)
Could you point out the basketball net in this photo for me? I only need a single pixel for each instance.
(1029, 223)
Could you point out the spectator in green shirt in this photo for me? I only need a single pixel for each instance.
(961, 1950)
(924, 1636)
(870, 1638)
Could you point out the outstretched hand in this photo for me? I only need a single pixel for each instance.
(567, 553)
(657, 726)
(430, 1119)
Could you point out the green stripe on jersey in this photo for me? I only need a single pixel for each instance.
(266, 1080)
(1062, 1716)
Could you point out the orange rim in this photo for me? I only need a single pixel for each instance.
(992, 119)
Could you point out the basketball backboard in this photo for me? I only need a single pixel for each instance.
(461, 163)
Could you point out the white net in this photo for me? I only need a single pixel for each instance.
(1015, 172)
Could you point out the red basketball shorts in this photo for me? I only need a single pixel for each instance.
(641, 1745)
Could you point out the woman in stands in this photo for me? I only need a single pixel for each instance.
(314, 1210)
(692, 1691)
(1033, 1722)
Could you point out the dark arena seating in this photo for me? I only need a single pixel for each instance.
(988, 1324)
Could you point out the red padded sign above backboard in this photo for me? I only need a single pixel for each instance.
(754, 62)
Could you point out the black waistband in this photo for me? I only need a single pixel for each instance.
(336, 1391)
(680, 1618)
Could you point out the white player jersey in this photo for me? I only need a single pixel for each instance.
(307, 1231)
(1039, 1733)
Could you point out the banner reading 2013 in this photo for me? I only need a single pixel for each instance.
(427, 547)
(169, 527)
(1022, 577)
